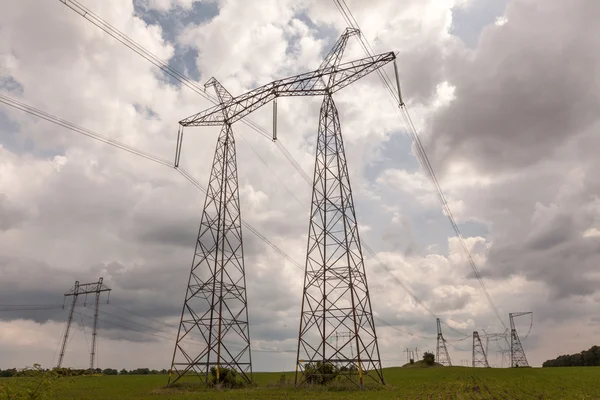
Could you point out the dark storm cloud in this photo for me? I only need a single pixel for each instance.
(524, 114)
(531, 85)
(10, 215)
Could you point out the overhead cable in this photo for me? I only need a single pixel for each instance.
(421, 154)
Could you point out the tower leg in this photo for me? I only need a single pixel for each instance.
(336, 295)
(214, 331)
(69, 320)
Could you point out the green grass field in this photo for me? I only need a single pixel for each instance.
(579, 383)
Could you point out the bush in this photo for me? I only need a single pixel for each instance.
(33, 383)
(321, 373)
(228, 377)
(429, 358)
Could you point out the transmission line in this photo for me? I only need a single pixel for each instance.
(421, 154)
(134, 46)
(122, 146)
(119, 145)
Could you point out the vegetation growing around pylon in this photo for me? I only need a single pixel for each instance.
(401, 383)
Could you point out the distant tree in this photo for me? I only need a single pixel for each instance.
(7, 373)
(123, 372)
(110, 371)
(587, 358)
(164, 371)
(429, 358)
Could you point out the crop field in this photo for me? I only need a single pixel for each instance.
(579, 383)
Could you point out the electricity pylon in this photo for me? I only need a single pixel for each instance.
(517, 354)
(215, 307)
(441, 353)
(335, 294)
(479, 357)
(218, 265)
(80, 289)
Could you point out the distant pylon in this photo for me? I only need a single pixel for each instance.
(215, 309)
(517, 354)
(76, 290)
(479, 357)
(441, 353)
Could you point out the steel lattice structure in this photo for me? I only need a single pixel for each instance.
(479, 356)
(218, 265)
(441, 353)
(215, 309)
(517, 354)
(77, 290)
(335, 295)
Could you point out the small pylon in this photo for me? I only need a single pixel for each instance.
(479, 357)
(517, 354)
(441, 353)
(84, 289)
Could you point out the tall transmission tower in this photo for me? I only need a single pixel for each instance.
(517, 354)
(479, 357)
(84, 289)
(215, 307)
(335, 294)
(441, 352)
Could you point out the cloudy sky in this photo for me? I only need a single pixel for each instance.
(503, 92)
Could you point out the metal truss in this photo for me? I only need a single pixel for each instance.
(77, 290)
(215, 307)
(517, 354)
(479, 357)
(323, 81)
(214, 330)
(441, 353)
(336, 295)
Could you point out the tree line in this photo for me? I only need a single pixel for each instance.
(587, 358)
(14, 372)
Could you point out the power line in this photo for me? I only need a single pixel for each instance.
(86, 132)
(119, 36)
(87, 14)
(122, 146)
(142, 316)
(421, 154)
(131, 44)
(132, 150)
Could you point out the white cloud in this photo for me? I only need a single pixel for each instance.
(79, 209)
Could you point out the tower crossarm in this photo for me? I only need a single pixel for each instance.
(87, 288)
(307, 84)
(516, 314)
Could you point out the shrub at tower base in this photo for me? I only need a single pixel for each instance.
(228, 378)
(322, 373)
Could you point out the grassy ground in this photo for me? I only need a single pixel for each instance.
(402, 383)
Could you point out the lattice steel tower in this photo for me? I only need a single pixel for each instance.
(215, 306)
(479, 357)
(517, 354)
(335, 295)
(84, 289)
(441, 352)
(215, 310)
